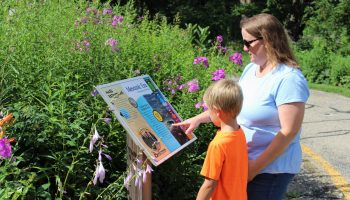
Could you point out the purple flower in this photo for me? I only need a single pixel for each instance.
(107, 11)
(83, 45)
(100, 155)
(205, 107)
(144, 172)
(117, 20)
(88, 10)
(173, 85)
(218, 74)
(201, 104)
(86, 43)
(138, 182)
(100, 173)
(107, 156)
(236, 58)
(139, 178)
(200, 60)
(84, 20)
(5, 148)
(107, 120)
(144, 176)
(91, 10)
(94, 93)
(193, 85)
(111, 42)
(97, 20)
(149, 169)
(139, 161)
(94, 140)
(127, 179)
(223, 49)
(219, 38)
(180, 87)
(76, 23)
(120, 19)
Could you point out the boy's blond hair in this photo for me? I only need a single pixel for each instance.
(225, 95)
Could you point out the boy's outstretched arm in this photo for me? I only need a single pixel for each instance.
(193, 123)
(206, 189)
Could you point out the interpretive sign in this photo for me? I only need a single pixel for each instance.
(147, 116)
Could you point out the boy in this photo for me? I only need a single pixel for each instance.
(225, 167)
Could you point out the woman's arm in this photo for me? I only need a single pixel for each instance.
(291, 117)
(193, 123)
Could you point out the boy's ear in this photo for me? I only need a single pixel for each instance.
(215, 109)
(219, 112)
(223, 115)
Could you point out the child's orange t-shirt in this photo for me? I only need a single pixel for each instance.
(227, 163)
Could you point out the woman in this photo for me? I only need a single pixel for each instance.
(275, 92)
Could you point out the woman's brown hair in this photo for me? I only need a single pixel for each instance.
(271, 31)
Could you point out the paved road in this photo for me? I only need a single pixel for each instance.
(326, 134)
(326, 129)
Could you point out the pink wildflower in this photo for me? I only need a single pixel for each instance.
(200, 60)
(5, 148)
(112, 42)
(218, 74)
(236, 58)
(193, 85)
(201, 104)
(219, 38)
(117, 20)
(107, 11)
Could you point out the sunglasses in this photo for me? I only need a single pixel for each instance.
(247, 43)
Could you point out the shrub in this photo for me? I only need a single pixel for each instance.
(52, 54)
(315, 63)
(340, 72)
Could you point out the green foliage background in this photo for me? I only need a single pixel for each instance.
(319, 29)
(46, 81)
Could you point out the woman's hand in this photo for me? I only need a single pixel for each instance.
(252, 170)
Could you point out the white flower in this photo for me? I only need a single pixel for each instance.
(127, 179)
(100, 173)
(149, 169)
(94, 140)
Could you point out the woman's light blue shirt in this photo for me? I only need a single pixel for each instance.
(259, 116)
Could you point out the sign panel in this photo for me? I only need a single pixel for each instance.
(147, 116)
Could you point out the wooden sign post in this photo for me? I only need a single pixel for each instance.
(134, 191)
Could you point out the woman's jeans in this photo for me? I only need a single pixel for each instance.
(269, 186)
